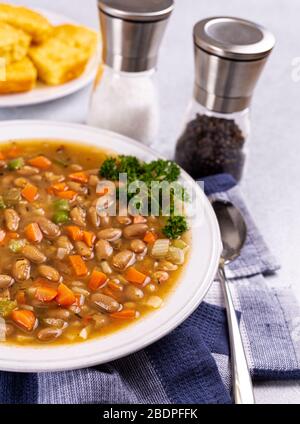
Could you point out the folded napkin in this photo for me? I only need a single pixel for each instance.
(191, 364)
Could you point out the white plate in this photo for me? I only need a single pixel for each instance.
(189, 292)
(44, 93)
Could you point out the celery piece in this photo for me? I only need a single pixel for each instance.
(15, 164)
(61, 217)
(12, 196)
(61, 205)
(16, 245)
(6, 307)
(180, 244)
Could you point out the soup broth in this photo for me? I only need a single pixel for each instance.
(68, 272)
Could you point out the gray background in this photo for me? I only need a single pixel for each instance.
(272, 181)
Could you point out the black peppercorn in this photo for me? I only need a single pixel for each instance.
(211, 145)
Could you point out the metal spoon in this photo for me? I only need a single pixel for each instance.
(233, 233)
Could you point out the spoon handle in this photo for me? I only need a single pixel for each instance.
(241, 380)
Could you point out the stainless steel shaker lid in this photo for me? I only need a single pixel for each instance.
(137, 10)
(132, 31)
(230, 54)
(233, 38)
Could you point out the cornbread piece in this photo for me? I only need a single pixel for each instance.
(14, 43)
(28, 20)
(77, 36)
(20, 76)
(56, 62)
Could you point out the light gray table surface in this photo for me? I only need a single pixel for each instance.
(272, 182)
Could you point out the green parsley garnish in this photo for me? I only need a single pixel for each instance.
(112, 167)
(175, 226)
(157, 171)
(161, 170)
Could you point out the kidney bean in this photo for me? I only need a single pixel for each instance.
(12, 219)
(161, 276)
(124, 220)
(105, 303)
(21, 269)
(78, 216)
(27, 171)
(47, 334)
(33, 254)
(83, 250)
(51, 177)
(103, 250)
(123, 260)
(164, 265)
(133, 293)
(64, 243)
(138, 246)
(55, 322)
(77, 187)
(49, 272)
(110, 234)
(49, 229)
(93, 180)
(6, 281)
(20, 182)
(93, 217)
(62, 314)
(135, 231)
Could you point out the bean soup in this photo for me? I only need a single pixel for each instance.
(69, 270)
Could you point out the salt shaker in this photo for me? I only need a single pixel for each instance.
(126, 98)
(230, 54)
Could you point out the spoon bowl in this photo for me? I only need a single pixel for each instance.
(233, 229)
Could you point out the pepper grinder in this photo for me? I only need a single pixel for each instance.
(230, 54)
(126, 98)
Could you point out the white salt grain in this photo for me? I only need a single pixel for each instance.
(126, 103)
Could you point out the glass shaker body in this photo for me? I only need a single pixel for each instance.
(126, 103)
(230, 54)
(213, 143)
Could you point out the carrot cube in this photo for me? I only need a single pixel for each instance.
(79, 177)
(78, 265)
(97, 279)
(24, 318)
(30, 192)
(40, 162)
(65, 296)
(33, 232)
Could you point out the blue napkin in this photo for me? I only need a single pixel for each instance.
(191, 364)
